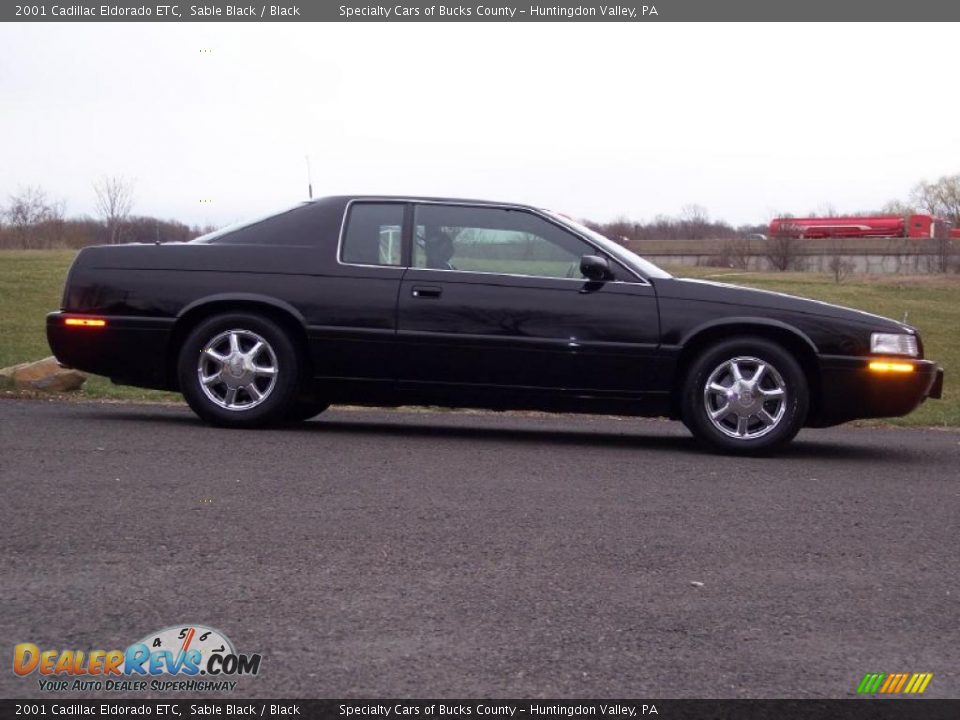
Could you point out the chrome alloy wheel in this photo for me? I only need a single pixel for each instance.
(237, 370)
(745, 398)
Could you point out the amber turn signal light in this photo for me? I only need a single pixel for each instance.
(879, 366)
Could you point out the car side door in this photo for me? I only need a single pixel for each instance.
(352, 313)
(494, 299)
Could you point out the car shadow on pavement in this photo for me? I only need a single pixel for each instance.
(632, 438)
(643, 434)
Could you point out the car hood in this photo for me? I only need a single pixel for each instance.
(717, 292)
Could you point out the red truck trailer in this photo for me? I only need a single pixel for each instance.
(864, 226)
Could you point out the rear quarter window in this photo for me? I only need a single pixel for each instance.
(373, 234)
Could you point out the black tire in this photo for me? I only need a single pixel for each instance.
(746, 427)
(279, 391)
(306, 408)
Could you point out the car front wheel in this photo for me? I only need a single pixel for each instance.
(745, 395)
(239, 370)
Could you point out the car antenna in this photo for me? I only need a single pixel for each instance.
(906, 314)
(309, 180)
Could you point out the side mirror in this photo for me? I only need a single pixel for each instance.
(595, 268)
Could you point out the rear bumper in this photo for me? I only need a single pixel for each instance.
(128, 350)
(850, 390)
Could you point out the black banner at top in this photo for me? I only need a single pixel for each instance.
(481, 11)
(360, 709)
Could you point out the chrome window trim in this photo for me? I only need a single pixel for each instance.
(494, 206)
(579, 281)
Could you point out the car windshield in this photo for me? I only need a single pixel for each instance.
(216, 234)
(629, 258)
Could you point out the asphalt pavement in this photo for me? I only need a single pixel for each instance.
(373, 553)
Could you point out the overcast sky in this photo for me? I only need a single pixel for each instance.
(596, 120)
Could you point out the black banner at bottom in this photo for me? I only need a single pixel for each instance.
(892, 709)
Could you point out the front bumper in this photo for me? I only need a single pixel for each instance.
(128, 350)
(850, 390)
(936, 390)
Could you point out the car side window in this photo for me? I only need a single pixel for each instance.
(373, 235)
(495, 240)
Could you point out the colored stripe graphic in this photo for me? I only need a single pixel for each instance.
(894, 683)
(865, 683)
(899, 683)
(871, 683)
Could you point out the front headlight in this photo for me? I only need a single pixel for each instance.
(893, 344)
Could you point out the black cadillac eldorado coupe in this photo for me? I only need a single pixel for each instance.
(390, 301)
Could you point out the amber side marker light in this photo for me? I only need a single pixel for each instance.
(885, 367)
(85, 322)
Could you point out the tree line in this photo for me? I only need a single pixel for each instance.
(693, 223)
(940, 198)
(32, 220)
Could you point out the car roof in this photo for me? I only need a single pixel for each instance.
(429, 199)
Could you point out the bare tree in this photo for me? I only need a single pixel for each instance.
(782, 246)
(114, 203)
(735, 253)
(825, 209)
(897, 207)
(941, 198)
(35, 221)
(839, 266)
(620, 229)
(695, 221)
(950, 197)
(693, 213)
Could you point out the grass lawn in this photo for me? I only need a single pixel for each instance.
(31, 283)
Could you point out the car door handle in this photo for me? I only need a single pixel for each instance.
(425, 291)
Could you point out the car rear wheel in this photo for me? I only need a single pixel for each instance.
(239, 370)
(745, 395)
